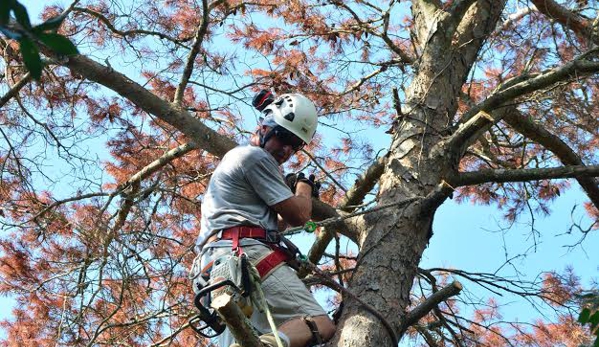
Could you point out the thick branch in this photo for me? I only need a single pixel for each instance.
(457, 11)
(201, 135)
(459, 8)
(363, 185)
(322, 211)
(238, 324)
(503, 175)
(159, 163)
(566, 155)
(195, 49)
(14, 90)
(581, 26)
(429, 304)
(353, 198)
(479, 117)
(425, 14)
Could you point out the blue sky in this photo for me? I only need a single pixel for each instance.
(467, 237)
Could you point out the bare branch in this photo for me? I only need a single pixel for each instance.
(352, 198)
(429, 304)
(566, 155)
(202, 136)
(364, 79)
(328, 174)
(503, 175)
(397, 50)
(159, 163)
(517, 16)
(62, 202)
(479, 118)
(363, 185)
(583, 27)
(126, 33)
(14, 90)
(238, 324)
(195, 49)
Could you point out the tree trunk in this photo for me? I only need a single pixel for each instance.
(394, 239)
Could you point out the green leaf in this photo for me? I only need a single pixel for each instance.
(31, 57)
(584, 315)
(596, 344)
(58, 43)
(49, 25)
(4, 12)
(594, 320)
(21, 15)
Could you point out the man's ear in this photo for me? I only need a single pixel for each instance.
(263, 129)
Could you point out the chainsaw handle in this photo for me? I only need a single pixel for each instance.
(206, 290)
(210, 318)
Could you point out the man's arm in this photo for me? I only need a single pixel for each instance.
(296, 210)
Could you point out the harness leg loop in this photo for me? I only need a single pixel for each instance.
(316, 339)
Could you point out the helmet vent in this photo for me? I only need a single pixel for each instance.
(290, 116)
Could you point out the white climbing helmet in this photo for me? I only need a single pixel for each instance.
(295, 113)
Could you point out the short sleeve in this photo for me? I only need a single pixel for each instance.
(266, 180)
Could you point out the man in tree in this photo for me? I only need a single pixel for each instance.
(248, 201)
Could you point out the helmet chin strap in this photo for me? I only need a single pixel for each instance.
(264, 138)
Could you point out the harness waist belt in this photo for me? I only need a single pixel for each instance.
(241, 232)
(267, 264)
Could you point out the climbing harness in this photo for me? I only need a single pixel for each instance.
(237, 276)
(232, 274)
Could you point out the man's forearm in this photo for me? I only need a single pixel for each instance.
(304, 190)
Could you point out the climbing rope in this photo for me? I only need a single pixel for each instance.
(260, 302)
(311, 226)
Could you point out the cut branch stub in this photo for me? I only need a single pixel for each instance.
(236, 321)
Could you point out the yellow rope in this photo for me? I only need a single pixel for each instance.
(262, 305)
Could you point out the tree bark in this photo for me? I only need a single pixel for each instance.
(393, 240)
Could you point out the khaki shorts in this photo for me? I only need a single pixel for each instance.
(287, 296)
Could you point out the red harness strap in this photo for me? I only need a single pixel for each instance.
(271, 262)
(266, 264)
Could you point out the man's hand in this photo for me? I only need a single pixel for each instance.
(293, 179)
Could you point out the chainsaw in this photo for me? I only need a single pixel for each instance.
(228, 274)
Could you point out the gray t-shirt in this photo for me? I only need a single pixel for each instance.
(243, 186)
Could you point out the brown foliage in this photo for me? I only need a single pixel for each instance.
(93, 257)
